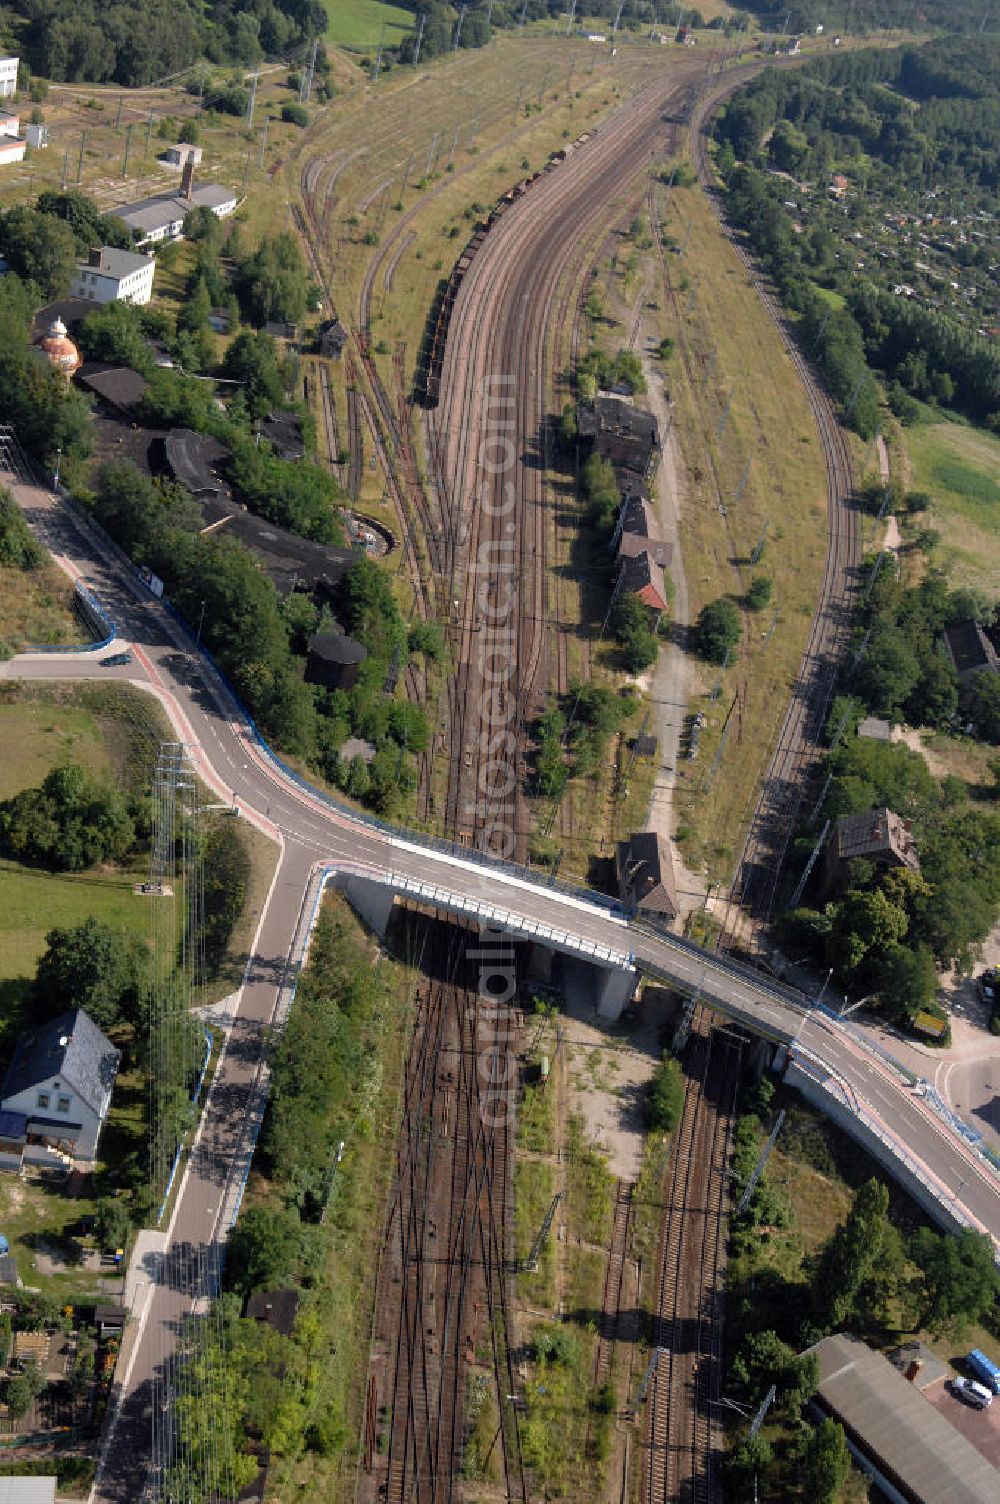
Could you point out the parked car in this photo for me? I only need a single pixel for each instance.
(971, 1393)
(116, 660)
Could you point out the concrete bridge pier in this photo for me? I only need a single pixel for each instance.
(615, 989)
(372, 901)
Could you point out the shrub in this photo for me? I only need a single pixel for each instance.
(666, 1096)
(759, 594)
(295, 114)
(718, 629)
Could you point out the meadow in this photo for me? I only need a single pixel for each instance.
(959, 467)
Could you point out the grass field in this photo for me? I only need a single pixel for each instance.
(36, 608)
(751, 461)
(38, 735)
(358, 23)
(960, 468)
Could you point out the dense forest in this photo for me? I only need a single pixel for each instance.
(139, 42)
(872, 176)
(860, 17)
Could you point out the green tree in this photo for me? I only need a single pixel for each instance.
(982, 703)
(865, 922)
(665, 1098)
(630, 625)
(253, 360)
(824, 1462)
(40, 248)
(227, 874)
(94, 967)
(718, 629)
(760, 592)
(272, 281)
(960, 1280)
(266, 1249)
(860, 1265)
(71, 822)
(18, 547)
(23, 1389)
(112, 1224)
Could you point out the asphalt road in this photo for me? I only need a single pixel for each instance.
(310, 831)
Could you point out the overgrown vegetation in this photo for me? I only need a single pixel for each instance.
(914, 135)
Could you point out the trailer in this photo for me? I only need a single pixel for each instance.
(984, 1369)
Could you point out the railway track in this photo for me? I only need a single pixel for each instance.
(498, 333)
(443, 1299)
(799, 741)
(679, 1431)
(614, 1283)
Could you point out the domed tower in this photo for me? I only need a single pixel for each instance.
(60, 350)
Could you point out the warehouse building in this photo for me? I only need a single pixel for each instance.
(902, 1441)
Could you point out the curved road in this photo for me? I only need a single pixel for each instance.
(312, 831)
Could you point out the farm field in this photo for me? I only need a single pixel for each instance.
(358, 23)
(959, 468)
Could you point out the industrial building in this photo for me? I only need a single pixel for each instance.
(909, 1447)
(162, 216)
(8, 76)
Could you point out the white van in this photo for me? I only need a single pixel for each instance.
(976, 1395)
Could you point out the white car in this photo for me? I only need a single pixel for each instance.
(976, 1395)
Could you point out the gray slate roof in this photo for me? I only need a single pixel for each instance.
(148, 214)
(115, 263)
(71, 1047)
(907, 1437)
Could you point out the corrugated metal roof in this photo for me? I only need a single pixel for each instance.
(906, 1436)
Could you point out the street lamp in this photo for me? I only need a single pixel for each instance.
(826, 984)
(201, 619)
(55, 478)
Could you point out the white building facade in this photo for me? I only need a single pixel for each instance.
(8, 76)
(113, 276)
(58, 1087)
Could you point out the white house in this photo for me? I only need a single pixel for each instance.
(58, 1088)
(8, 76)
(11, 150)
(112, 276)
(10, 120)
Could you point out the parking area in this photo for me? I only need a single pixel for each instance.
(981, 1427)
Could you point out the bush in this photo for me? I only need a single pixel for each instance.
(718, 629)
(666, 1096)
(759, 594)
(295, 114)
(71, 822)
(18, 548)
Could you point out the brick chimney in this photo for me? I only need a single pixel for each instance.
(187, 177)
(94, 256)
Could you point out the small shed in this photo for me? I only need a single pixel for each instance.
(8, 1271)
(969, 650)
(333, 338)
(874, 729)
(276, 1308)
(644, 869)
(334, 660)
(110, 1320)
